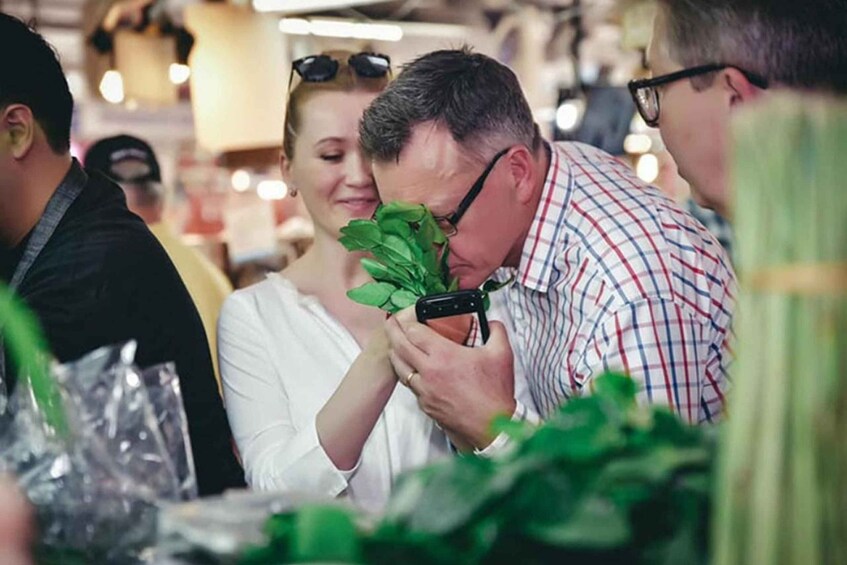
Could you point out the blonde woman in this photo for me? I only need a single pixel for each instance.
(312, 398)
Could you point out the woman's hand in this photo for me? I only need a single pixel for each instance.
(461, 388)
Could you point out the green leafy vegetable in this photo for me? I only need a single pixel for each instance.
(374, 294)
(408, 251)
(782, 486)
(602, 481)
(408, 256)
(28, 348)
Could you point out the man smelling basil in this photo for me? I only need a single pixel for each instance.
(609, 273)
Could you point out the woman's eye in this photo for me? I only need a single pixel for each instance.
(332, 157)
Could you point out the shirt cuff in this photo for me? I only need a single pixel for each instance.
(502, 442)
(347, 474)
(303, 467)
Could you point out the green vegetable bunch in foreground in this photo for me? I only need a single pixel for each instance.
(781, 490)
(27, 348)
(602, 481)
(409, 256)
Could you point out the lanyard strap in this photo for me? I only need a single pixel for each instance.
(68, 191)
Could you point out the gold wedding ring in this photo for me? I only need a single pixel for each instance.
(408, 380)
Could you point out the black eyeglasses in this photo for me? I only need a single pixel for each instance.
(646, 96)
(449, 223)
(323, 68)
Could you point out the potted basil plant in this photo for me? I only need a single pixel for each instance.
(408, 256)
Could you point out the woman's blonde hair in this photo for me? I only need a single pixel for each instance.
(345, 80)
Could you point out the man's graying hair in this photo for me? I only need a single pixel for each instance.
(478, 100)
(798, 43)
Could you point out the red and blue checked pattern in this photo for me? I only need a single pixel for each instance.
(615, 276)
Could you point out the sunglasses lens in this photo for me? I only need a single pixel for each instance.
(370, 65)
(319, 68)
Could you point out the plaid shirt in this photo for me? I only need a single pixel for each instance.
(714, 222)
(614, 276)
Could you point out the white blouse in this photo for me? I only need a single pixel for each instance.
(282, 355)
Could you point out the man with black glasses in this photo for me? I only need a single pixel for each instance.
(709, 57)
(608, 273)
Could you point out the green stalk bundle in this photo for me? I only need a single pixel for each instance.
(28, 349)
(782, 484)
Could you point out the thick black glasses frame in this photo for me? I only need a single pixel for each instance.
(652, 83)
(449, 223)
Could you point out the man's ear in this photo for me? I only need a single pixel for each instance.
(522, 167)
(18, 126)
(739, 87)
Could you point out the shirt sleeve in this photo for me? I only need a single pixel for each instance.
(525, 409)
(499, 311)
(502, 442)
(277, 454)
(676, 357)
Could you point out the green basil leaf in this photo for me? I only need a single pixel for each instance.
(325, 534)
(398, 210)
(372, 294)
(398, 227)
(596, 523)
(453, 495)
(439, 238)
(403, 298)
(434, 285)
(361, 235)
(377, 270)
(432, 232)
(384, 273)
(429, 261)
(394, 250)
(422, 289)
(426, 232)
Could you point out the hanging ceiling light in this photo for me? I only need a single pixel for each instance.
(341, 28)
(272, 190)
(291, 6)
(241, 180)
(179, 73)
(637, 143)
(112, 86)
(569, 114)
(647, 168)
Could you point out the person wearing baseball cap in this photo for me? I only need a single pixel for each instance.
(131, 163)
(124, 158)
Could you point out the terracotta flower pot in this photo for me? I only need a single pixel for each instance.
(455, 328)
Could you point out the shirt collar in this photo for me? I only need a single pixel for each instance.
(75, 177)
(540, 245)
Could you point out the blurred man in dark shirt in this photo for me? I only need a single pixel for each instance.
(88, 268)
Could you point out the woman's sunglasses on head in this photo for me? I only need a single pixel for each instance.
(322, 68)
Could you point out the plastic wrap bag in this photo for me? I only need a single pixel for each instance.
(3, 394)
(97, 486)
(165, 397)
(217, 530)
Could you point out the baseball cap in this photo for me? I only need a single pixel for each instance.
(124, 158)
